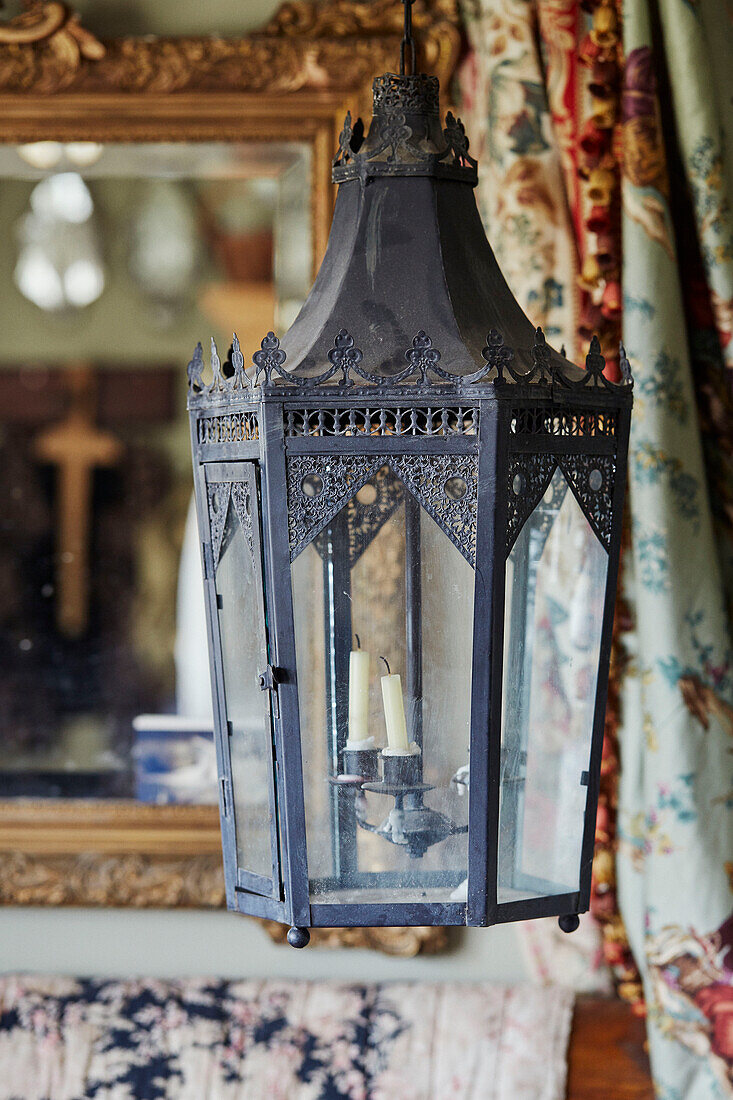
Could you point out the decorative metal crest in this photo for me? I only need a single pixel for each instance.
(395, 147)
(422, 372)
(269, 360)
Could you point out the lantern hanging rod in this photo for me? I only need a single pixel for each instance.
(408, 42)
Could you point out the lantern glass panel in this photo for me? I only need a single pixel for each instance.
(385, 570)
(555, 590)
(244, 657)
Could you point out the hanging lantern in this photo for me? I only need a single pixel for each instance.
(410, 516)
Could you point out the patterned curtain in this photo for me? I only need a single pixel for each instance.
(676, 795)
(604, 166)
(540, 96)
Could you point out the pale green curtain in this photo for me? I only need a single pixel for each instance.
(676, 797)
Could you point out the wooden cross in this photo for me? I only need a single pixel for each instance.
(76, 446)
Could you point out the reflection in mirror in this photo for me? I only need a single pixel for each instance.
(115, 260)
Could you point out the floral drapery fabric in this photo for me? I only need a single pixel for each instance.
(604, 166)
(676, 795)
(539, 94)
(199, 1039)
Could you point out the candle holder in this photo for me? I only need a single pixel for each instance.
(410, 822)
(401, 769)
(363, 763)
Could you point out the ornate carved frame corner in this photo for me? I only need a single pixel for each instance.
(293, 79)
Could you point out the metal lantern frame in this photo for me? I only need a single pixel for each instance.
(504, 428)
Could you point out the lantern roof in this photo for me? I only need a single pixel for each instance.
(407, 249)
(409, 287)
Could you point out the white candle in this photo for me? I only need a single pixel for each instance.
(358, 696)
(394, 712)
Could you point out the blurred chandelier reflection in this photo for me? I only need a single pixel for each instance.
(49, 154)
(59, 265)
(165, 248)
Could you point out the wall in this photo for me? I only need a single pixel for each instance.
(174, 944)
(168, 944)
(109, 18)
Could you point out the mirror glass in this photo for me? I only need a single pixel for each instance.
(115, 260)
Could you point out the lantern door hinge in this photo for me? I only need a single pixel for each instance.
(268, 681)
(225, 800)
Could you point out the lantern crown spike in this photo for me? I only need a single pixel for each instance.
(405, 137)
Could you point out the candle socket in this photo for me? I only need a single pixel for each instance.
(362, 762)
(402, 771)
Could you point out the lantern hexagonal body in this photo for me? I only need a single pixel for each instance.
(391, 483)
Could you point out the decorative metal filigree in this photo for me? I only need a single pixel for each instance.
(240, 427)
(559, 421)
(242, 501)
(222, 494)
(445, 485)
(318, 487)
(592, 479)
(219, 494)
(527, 480)
(364, 520)
(447, 488)
(418, 94)
(412, 420)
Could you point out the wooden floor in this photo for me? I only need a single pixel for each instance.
(607, 1059)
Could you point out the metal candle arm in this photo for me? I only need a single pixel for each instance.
(410, 823)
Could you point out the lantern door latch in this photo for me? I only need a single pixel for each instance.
(268, 681)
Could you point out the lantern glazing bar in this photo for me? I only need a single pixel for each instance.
(594, 771)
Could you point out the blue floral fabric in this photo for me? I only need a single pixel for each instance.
(676, 795)
(198, 1039)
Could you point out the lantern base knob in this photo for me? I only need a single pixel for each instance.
(568, 923)
(298, 937)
